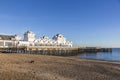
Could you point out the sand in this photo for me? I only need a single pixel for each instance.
(45, 67)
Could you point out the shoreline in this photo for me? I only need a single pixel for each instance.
(95, 60)
(75, 57)
(100, 60)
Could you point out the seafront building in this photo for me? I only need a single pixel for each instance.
(30, 40)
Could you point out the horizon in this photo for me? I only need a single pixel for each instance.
(84, 22)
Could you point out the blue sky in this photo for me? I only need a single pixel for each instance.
(85, 22)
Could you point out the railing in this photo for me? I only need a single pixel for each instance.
(52, 50)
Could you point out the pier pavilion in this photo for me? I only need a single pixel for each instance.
(30, 40)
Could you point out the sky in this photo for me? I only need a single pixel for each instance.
(84, 22)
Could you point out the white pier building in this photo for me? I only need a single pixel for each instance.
(30, 40)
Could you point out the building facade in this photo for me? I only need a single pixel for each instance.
(30, 40)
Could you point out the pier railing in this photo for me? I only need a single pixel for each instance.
(52, 50)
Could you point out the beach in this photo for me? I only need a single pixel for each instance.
(46, 67)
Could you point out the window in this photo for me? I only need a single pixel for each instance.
(8, 43)
(1, 43)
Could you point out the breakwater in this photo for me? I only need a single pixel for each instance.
(53, 50)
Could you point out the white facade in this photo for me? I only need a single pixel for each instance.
(30, 40)
(17, 37)
(6, 43)
(60, 39)
(29, 36)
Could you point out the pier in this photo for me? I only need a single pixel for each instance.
(94, 49)
(57, 45)
(52, 50)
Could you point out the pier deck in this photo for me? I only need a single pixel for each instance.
(52, 50)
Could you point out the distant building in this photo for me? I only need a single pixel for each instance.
(30, 40)
(29, 36)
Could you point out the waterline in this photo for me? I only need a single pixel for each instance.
(108, 56)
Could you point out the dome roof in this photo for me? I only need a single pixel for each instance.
(45, 37)
(29, 32)
(59, 35)
(16, 35)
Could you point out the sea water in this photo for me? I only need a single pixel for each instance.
(109, 56)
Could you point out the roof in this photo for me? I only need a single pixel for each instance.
(7, 37)
(29, 32)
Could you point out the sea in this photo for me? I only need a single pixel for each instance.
(107, 56)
